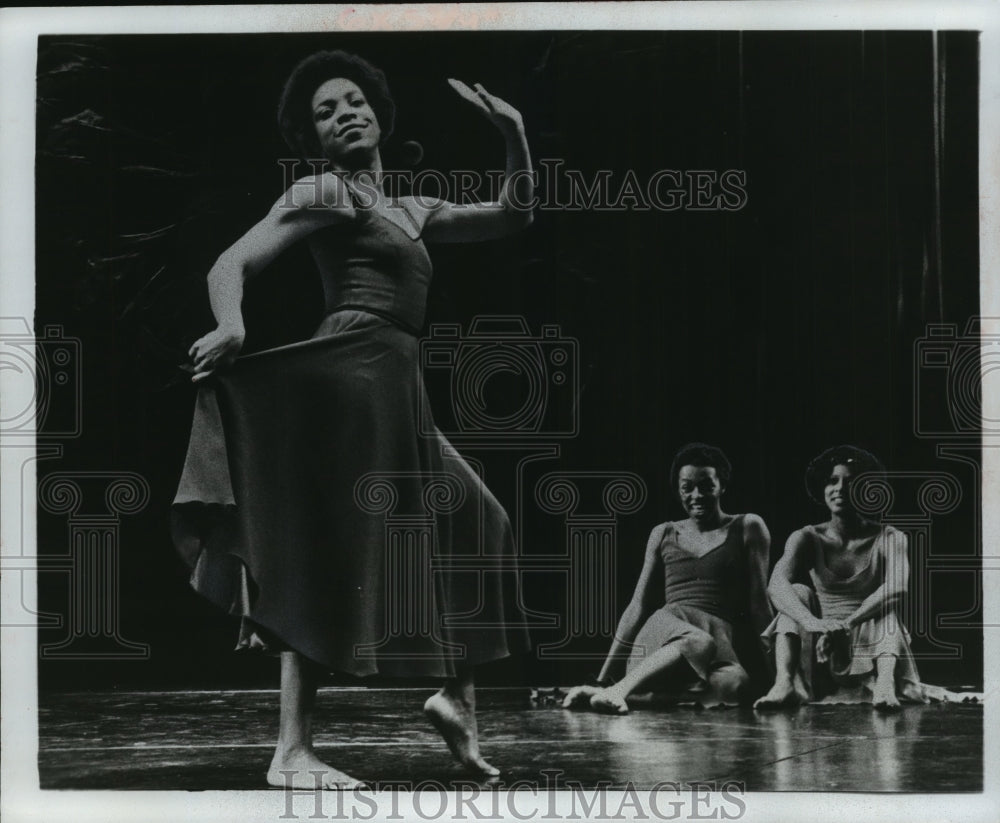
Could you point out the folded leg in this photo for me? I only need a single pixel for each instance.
(687, 643)
(726, 685)
(793, 656)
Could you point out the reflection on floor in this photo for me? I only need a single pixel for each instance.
(223, 740)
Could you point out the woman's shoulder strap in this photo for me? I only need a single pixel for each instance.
(656, 535)
(660, 530)
(416, 210)
(889, 536)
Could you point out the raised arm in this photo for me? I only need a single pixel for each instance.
(462, 222)
(897, 575)
(308, 205)
(757, 540)
(648, 592)
(796, 560)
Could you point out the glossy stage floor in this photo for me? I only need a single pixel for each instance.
(204, 740)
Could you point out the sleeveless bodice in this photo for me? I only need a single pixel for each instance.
(707, 582)
(277, 513)
(840, 596)
(371, 263)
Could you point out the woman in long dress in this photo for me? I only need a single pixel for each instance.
(301, 456)
(842, 640)
(702, 581)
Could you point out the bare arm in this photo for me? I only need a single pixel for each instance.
(798, 557)
(308, 205)
(462, 222)
(648, 591)
(757, 540)
(897, 574)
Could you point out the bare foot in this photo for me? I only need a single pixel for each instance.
(884, 695)
(609, 701)
(302, 769)
(456, 721)
(579, 697)
(801, 692)
(884, 688)
(784, 693)
(715, 696)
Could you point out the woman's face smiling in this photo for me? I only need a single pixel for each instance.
(837, 491)
(700, 491)
(345, 123)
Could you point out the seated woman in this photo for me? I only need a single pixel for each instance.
(712, 568)
(849, 624)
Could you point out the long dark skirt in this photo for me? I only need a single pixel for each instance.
(319, 502)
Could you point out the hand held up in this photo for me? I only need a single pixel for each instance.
(499, 112)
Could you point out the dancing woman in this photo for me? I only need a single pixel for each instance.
(297, 453)
(709, 573)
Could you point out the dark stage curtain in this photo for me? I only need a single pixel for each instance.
(788, 322)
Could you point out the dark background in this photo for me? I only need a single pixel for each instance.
(774, 331)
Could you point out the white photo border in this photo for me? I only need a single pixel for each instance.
(22, 800)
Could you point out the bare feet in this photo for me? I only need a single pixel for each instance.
(579, 697)
(715, 696)
(609, 701)
(302, 769)
(456, 721)
(884, 689)
(784, 693)
(884, 695)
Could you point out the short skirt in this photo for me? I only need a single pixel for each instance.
(675, 622)
(844, 670)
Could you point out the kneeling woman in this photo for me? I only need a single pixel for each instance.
(848, 624)
(712, 568)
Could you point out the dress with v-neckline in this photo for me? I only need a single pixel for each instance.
(371, 263)
(303, 457)
(718, 545)
(821, 557)
(839, 595)
(849, 669)
(706, 581)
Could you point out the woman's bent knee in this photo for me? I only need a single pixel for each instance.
(730, 680)
(804, 593)
(699, 645)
